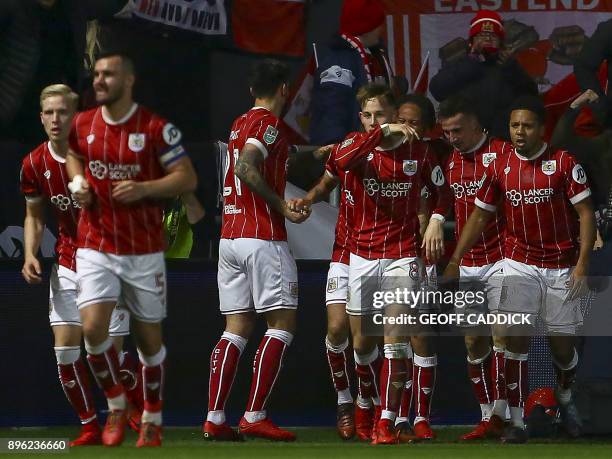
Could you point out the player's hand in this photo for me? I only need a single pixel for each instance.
(403, 130)
(295, 216)
(433, 241)
(32, 271)
(578, 285)
(451, 271)
(128, 191)
(84, 197)
(299, 205)
(599, 243)
(587, 97)
(322, 153)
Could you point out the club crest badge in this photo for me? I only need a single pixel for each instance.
(488, 158)
(332, 284)
(136, 142)
(549, 167)
(270, 135)
(90, 139)
(410, 166)
(507, 170)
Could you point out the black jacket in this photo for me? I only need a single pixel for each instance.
(595, 50)
(491, 87)
(20, 44)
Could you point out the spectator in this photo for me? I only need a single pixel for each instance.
(596, 50)
(594, 153)
(352, 59)
(488, 75)
(41, 42)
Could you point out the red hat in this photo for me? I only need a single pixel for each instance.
(487, 21)
(361, 16)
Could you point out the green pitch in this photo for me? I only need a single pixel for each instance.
(318, 443)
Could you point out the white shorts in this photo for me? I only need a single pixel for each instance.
(488, 277)
(255, 274)
(63, 307)
(337, 283)
(139, 281)
(369, 276)
(532, 290)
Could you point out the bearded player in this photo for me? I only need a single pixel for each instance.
(124, 161)
(44, 183)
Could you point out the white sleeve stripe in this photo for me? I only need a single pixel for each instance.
(260, 146)
(484, 205)
(580, 196)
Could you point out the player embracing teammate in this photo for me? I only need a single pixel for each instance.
(482, 266)
(550, 230)
(390, 168)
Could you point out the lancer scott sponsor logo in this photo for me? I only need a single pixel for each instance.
(387, 189)
(533, 196)
(112, 171)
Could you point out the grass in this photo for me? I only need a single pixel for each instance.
(319, 443)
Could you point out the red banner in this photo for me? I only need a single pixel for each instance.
(544, 34)
(269, 26)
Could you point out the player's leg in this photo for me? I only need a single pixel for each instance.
(266, 369)
(67, 333)
(143, 280)
(479, 373)
(223, 366)
(425, 362)
(368, 363)
(337, 347)
(562, 317)
(236, 304)
(494, 282)
(130, 372)
(74, 379)
(338, 359)
(363, 281)
(273, 275)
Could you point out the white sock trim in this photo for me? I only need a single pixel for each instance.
(153, 360)
(255, 416)
(344, 396)
(337, 349)
(479, 360)
(281, 335)
(100, 348)
(152, 417)
(395, 351)
(425, 362)
(408, 350)
(216, 417)
(67, 355)
(516, 356)
(569, 366)
(239, 341)
(367, 358)
(499, 349)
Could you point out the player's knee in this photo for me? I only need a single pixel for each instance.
(337, 330)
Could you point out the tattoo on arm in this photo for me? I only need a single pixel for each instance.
(247, 170)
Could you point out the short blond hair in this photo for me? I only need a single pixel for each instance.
(60, 90)
(378, 91)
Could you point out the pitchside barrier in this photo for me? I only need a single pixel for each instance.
(30, 393)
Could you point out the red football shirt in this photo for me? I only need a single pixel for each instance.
(43, 176)
(387, 187)
(245, 213)
(138, 147)
(541, 226)
(464, 173)
(343, 241)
